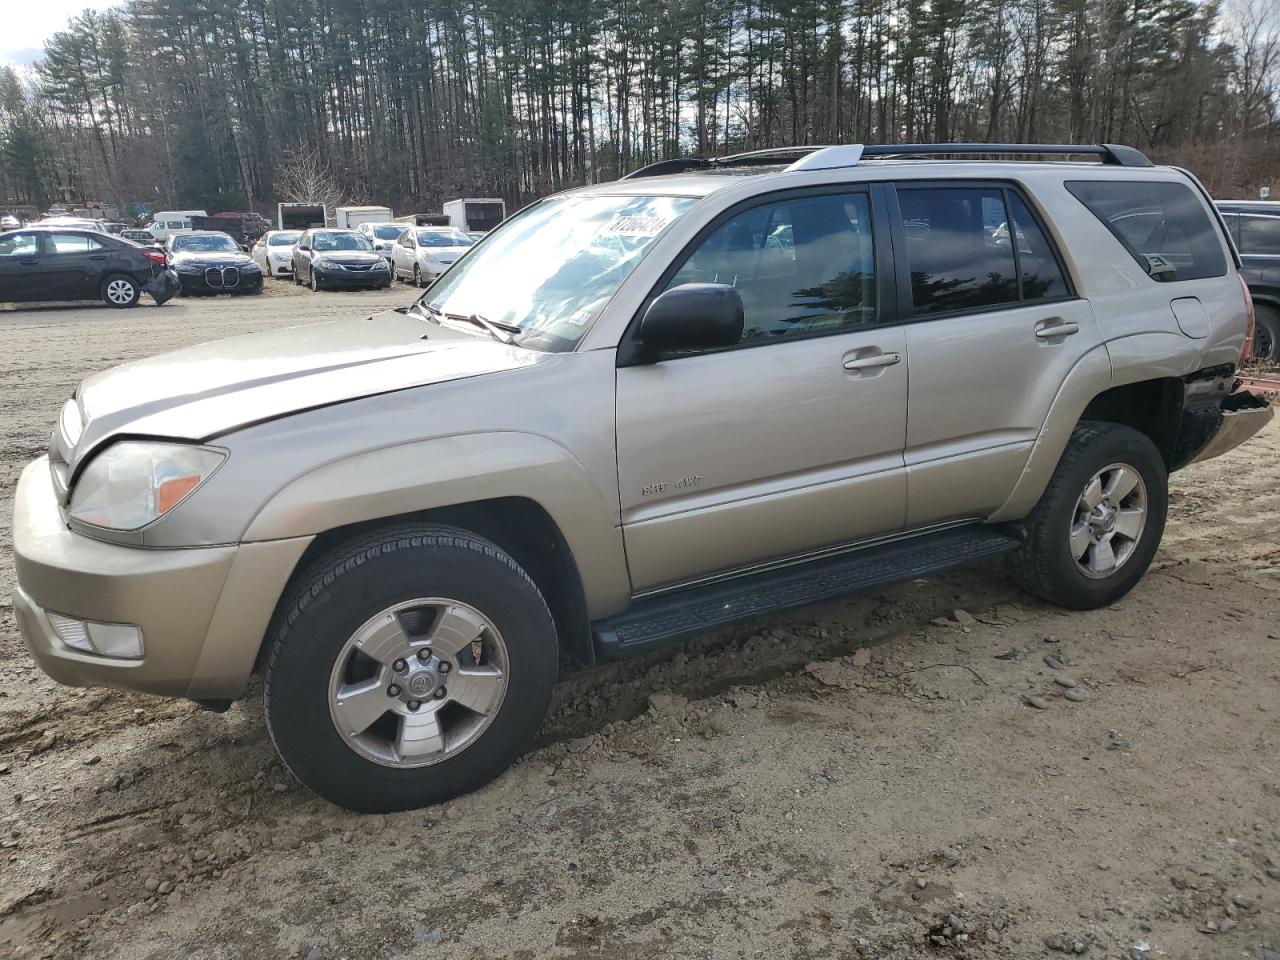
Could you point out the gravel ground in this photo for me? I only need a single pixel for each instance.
(946, 767)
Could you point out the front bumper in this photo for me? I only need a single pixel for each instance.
(199, 283)
(203, 611)
(353, 278)
(282, 269)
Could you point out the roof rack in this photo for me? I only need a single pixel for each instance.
(822, 157)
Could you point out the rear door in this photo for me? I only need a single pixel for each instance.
(74, 264)
(20, 267)
(993, 326)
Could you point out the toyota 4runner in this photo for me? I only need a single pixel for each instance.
(713, 389)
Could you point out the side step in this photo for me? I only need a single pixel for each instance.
(657, 620)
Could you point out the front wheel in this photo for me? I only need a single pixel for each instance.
(1097, 527)
(417, 275)
(407, 668)
(315, 282)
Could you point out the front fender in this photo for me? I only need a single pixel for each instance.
(455, 470)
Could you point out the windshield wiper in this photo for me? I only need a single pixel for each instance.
(499, 331)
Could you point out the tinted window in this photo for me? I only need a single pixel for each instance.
(958, 249)
(1164, 226)
(802, 266)
(1041, 273)
(72, 243)
(1260, 235)
(18, 245)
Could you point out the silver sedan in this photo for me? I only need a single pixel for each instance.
(423, 253)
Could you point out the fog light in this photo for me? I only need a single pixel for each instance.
(120, 640)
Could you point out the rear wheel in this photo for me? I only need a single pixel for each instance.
(315, 282)
(417, 275)
(119, 290)
(1096, 529)
(409, 667)
(1266, 334)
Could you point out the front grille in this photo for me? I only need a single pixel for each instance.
(222, 277)
(359, 266)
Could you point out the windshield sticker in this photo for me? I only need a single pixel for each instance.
(637, 226)
(580, 318)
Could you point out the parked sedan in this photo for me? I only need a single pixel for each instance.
(1255, 227)
(61, 263)
(383, 236)
(273, 253)
(338, 258)
(210, 262)
(423, 253)
(144, 237)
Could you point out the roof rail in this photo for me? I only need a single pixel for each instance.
(823, 157)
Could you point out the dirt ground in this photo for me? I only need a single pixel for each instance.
(861, 779)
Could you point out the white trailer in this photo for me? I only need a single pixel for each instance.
(476, 214)
(349, 218)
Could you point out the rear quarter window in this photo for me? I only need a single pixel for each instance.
(1164, 226)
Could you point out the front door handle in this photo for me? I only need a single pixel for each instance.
(97, 256)
(877, 360)
(1051, 330)
(29, 263)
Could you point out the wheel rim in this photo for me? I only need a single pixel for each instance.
(1109, 519)
(1264, 344)
(120, 291)
(418, 682)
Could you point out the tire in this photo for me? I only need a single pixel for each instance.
(315, 282)
(417, 275)
(354, 590)
(120, 291)
(1266, 334)
(1046, 564)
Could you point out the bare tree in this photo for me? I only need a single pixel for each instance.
(305, 177)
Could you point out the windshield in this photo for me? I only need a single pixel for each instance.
(332, 240)
(204, 244)
(551, 269)
(443, 238)
(286, 239)
(388, 231)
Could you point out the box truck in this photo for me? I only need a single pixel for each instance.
(476, 214)
(300, 216)
(349, 218)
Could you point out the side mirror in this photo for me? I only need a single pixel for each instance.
(693, 316)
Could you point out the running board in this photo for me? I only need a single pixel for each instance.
(658, 620)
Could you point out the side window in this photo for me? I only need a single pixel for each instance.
(19, 245)
(958, 248)
(72, 243)
(1164, 226)
(1260, 236)
(1039, 269)
(1233, 227)
(803, 266)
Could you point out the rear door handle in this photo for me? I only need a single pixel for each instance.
(29, 263)
(877, 360)
(1052, 329)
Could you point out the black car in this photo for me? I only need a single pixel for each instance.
(211, 262)
(338, 258)
(1255, 228)
(63, 263)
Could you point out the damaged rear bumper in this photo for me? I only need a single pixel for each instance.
(1243, 415)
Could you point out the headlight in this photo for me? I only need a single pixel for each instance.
(134, 482)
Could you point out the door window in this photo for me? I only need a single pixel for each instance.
(73, 243)
(19, 245)
(803, 266)
(1260, 236)
(958, 248)
(1038, 266)
(1164, 226)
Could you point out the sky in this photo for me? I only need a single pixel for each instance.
(29, 23)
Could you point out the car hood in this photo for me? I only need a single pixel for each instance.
(204, 391)
(210, 258)
(446, 254)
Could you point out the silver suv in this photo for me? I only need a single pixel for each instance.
(638, 410)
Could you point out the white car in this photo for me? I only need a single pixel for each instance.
(70, 223)
(423, 253)
(273, 252)
(383, 236)
(9, 222)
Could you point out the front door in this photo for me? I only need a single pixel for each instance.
(20, 261)
(73, 265)
(993, 328)
(791, 441)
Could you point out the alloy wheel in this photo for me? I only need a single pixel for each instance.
(1110, 516)
(418, 682)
